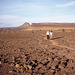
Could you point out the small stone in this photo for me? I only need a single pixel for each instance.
(18, 50)
(24, 65)
(33, 62)
(55, 59)
(0, 62)
(13, 58)
(30, 71)
(44, 61)
(13, 61)
(55, 63)
(39, 65)
(44, 50)
(49, 64)
(51, 70)
(53, 67)
(21, 70)
(11, 64)
(41, 70)
(71, 61)
(10, 71)
(61, 66)
(19, 58)
(30, 67)
(49, 59)
(17, 65)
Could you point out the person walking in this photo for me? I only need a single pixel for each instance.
(51, 34)
(47, 34)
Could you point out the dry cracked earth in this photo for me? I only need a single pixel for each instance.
(30, 53)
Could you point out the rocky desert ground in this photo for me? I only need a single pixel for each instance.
(28, 52)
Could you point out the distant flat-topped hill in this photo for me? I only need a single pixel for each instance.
(53, 23)
(54, 26)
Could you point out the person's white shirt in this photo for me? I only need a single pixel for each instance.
(47, 33)
(51, 33)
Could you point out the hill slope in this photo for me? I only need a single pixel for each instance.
(24, 26)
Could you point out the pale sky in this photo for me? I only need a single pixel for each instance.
(16, 12)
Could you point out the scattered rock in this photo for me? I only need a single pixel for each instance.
(55, 63)
(17, 65)
(61, 65)
(10, 71)
(50, 59)
(55, 59)
(30, 67)
(39, 66)
(51, 70)
(52, 67)
(0, 62)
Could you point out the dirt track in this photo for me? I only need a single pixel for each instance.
(30, 53)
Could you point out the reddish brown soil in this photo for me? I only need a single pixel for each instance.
(30, 53)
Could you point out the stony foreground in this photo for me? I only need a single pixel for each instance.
(30, 53)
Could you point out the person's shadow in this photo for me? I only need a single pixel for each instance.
(56, 38)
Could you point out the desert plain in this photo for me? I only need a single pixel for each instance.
(28, 52)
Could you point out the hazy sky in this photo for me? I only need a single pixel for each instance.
(17, 12)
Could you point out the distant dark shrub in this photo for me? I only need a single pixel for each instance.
(32, 31)
(63, 30)
(71, 30)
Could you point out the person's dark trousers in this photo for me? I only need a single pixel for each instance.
(47, 36)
